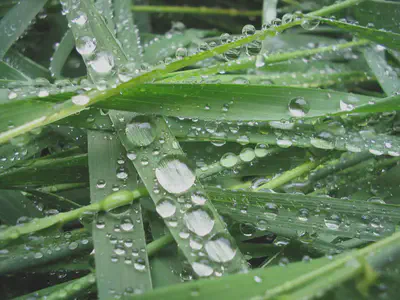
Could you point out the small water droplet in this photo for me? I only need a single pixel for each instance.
(199, 221)
(298, 107)
(166, 207)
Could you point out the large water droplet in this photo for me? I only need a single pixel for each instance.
(298, 107)
(202, 268)
(86, 45)
(103, 62)
(220, 249)
(141, 131)
(174, 174)
(166, 208)
(228, 160)
(199, 221)
(333, 221)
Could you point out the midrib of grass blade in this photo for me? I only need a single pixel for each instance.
(172, 185)
(384, 73)
(118, 270)
(68, 108)
(16, 21)
(310, 214)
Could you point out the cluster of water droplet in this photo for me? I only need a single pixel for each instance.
(179, 198)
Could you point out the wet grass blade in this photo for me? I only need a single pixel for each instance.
(15, 205)
(276, 212)
(277, 281)
(61, 54)
(16, 21)
(386, 75)
(168, 174)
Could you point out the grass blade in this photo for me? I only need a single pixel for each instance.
(115, 258)
(16, 21)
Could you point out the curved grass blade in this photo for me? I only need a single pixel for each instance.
(15, 205)
(117, 252)
(384, 73)
(61, 54)
(16, 21)
(25, 65)
(14, 153)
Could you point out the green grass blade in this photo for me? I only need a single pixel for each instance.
(16, 21)
(202, 221)
(117, 269)
(273, 282)
(309, 213)
(383, 37)
(386, 75)
(26, 65)
(14, 205)
(126, 31)
(44, 250)
(61, 54)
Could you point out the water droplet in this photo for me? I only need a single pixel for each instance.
(261, 150)
(174, 174)
(101, 183)
(198, 198)
(102, 63)
(333, 221)
(86, 45)
(303, 214)
(202, 268)
(247, 154)
(298, 107)
(228, 160)
(220, 249)
(166, 207)
(199, 221)
(140, 265)
(80, 100)
(81, 19)
(271, 210)
(310, 24)
(141, 131)
(248, 30)
(126, 224)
